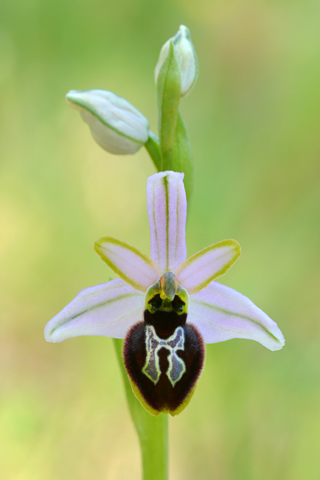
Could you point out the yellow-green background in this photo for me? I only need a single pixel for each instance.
(254, 122)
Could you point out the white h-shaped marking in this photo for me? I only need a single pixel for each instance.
(154, 343)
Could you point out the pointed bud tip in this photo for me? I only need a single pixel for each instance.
(183, 31)
(74, 100)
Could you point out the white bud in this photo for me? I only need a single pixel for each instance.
(116, 125)
(186, 57)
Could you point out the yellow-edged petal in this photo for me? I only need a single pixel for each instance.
(201, 268)
(128, 262)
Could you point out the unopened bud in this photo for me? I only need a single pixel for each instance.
(186, 57)
(116, 125)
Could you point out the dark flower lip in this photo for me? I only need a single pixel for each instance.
(158, 393)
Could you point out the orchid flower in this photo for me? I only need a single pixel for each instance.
(166, 306)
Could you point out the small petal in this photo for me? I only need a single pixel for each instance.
(116, 125)
(201, 268)
(221, 313)
(128, 262)
(108, 310)
(167, 210)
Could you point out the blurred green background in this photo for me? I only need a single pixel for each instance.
(253, 121)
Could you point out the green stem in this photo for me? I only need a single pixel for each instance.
(152, 430)
(154, 448)
(153, 148)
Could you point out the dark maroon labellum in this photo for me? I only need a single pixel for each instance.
(164, 357)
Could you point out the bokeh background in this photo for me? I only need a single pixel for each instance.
(253, 120)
